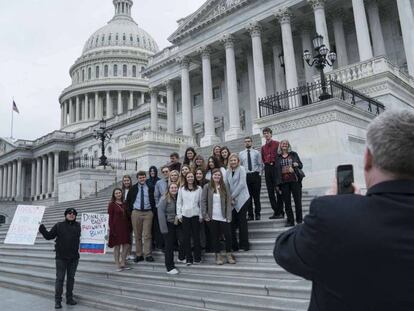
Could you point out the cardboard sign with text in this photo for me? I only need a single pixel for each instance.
(94, 230)
(25, 225)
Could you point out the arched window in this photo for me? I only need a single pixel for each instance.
(116, 37)
(124, 37)
(77, 76)
(110, 37)
(96, 41)
(97, 72)
(103, 38)
(2, 219)
(124, 70)
(134, 71)
(83, 74)
(106, 71)
(115, 70)
(89, 73)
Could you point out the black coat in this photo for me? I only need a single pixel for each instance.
(278, 167)
(132, 196)
(357, 250)
(67, 234)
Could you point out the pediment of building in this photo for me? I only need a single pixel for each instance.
(6, 145)
(210, 12)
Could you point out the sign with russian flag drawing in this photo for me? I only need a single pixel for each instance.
(94, 231)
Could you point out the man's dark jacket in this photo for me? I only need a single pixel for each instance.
(358, 251)
(132, 196)
(67, 234)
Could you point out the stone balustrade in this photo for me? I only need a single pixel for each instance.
(164, 54)
(368, 68)
(160, 137)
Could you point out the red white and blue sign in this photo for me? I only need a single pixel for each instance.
(94, 232)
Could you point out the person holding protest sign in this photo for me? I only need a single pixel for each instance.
(67, 234)
(119, 229)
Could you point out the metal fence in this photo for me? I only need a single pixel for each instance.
(92, 162)
(312, 93)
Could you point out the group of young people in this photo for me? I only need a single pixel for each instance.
(203, 204)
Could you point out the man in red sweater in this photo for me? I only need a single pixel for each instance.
(269, 154)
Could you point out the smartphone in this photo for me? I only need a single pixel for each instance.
(345, 178)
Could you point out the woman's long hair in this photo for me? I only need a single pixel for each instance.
(279, 149)
(185, 184)
(168, 196)
(224, 161)
(199, 157)
(186, 159)
(173, 172)
(222, 190)
(203, 181)
(215, 161)
(130, 182)
(182, 178)
(234, 155)
(113, 199)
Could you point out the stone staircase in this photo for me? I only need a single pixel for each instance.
(256, 282)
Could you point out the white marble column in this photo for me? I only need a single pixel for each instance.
(71, 112)
(187, 111)
(131, 100)
(362, 31)
(255, 31)
(142, 98)
(252, 85)
(23, 182)
(5, 180)
(378, 44)
(306, 40)
(320, 20)
(86, 108)
(119, 104)
(50, 173)
(44, 174)
(210, 136)
(170, 107)
(62, 118)
(39, 176)
(19, 179)
(78, 109)
(154, 110)
(96, 109)
(234, 130)
(14, 179)
(405, 12)
(109, 106)
(1, 181)
(280, 80)
(284, 17)
(33, 179)
(65, 113)
(55, 172)
(9, 180)
(340, 39)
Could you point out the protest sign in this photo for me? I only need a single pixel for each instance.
(94, 230)
(25, 225)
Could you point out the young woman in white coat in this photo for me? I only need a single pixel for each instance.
(239, 192)
(189, 213)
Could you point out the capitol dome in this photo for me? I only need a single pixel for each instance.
(121, 31)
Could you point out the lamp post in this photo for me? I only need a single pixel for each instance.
(103, 134)
(323, 58)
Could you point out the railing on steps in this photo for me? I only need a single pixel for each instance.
(92, 162)
(314, 93)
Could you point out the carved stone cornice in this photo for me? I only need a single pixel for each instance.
(183, 61)
(284, 16)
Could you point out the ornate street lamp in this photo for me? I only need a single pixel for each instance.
(323, 58)
(103, 134)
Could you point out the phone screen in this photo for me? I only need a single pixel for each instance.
(345, 178)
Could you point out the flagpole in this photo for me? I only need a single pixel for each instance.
(11, 129)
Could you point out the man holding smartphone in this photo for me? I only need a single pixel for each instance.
(359, 250)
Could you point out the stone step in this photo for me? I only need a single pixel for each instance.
(183, 296)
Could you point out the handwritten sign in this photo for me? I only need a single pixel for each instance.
(25, 225)
(94, 230)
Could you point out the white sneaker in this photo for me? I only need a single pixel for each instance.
(181, 261)
(130, 257)
(173, 271)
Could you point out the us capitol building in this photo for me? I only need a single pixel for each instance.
(233, 68)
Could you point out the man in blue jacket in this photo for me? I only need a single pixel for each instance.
(358, 251)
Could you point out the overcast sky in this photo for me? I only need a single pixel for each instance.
(41, 39)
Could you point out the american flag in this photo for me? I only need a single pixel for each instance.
(15, 107)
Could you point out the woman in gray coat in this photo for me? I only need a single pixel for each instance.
(237, 185)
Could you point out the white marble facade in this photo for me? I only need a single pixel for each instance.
(204, 88)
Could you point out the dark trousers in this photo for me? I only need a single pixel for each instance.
(65, 267)
(254, 183)
(270, 177)
(191, 228)
(170, 239)
(157, 238)
(217, 229)
(239, 221)
(292, 189)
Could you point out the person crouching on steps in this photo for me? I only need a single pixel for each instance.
(67, 234)
(120, 229)
(217, 212)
